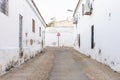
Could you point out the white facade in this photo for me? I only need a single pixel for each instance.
(18, 40)
(99, 31)
(65, 38)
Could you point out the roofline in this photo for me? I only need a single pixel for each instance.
(36, 11)
(39, 12)
(76, 7)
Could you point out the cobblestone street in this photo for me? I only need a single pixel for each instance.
(61, 64)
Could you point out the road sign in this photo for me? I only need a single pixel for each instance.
(58, 34)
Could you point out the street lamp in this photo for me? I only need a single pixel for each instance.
(69, 10)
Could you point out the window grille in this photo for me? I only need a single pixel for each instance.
(33, 25)
(4, 6)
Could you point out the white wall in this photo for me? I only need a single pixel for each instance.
(65, 39)
(105, 18)
(9, 32)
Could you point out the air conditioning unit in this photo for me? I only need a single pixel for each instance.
(88, 8)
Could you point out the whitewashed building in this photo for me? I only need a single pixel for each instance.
(22, 30)
(97, 30)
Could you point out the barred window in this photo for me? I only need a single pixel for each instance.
(39, 31)
(78, 36)
(4, 6)
(33, 25)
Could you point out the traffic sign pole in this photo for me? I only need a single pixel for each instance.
(58, 41)
(58, 35)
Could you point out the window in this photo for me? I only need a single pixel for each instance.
(75, 20)
(31, 42)
(92, 36)
(26, 34)
(4, 6)
(39, 31)
(33, 25)
(88, 7)
(82, 9)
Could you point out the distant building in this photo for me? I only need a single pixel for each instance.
(67, 22)
(22, 32)
(97, 30)
(66, 30)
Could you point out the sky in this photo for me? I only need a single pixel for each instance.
(56, 9)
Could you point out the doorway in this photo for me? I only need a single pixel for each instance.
(92, 37)
(20, 36)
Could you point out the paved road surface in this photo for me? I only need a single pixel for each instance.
(65, 67)
(61, 64)
(35, 69)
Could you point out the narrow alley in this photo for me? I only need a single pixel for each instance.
(59, 40)
(61, 64)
